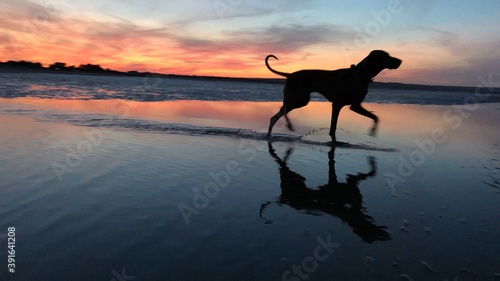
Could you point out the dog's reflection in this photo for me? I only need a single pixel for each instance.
(343, 200)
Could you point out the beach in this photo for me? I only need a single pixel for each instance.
(116, 189)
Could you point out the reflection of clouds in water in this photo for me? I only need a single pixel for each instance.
(311, 121)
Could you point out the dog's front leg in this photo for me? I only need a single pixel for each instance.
(360, 110)
(335, 117)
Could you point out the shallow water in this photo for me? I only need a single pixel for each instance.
(110, 189)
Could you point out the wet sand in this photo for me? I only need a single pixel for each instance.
(106, 189)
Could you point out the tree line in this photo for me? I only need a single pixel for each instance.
(56, 66)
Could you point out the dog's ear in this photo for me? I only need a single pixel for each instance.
(380, 53)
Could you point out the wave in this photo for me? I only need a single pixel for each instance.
(145, 125)
(81, 87)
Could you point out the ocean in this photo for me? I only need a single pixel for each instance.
(148, 178)
(153, 88)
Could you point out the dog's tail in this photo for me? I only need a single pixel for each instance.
(272, 70)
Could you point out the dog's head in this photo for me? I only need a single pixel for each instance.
(380, 60)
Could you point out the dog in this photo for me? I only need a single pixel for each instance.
(347, 86)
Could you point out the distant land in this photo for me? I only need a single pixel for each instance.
(95, 69)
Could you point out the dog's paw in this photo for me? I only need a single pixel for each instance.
(373, 131)
(332, 143)
(371, 161)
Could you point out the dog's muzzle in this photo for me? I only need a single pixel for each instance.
(394, 63)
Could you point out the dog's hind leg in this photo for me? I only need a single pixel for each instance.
(335, 117)
(282, 112)
(288, 122)
(273, 121)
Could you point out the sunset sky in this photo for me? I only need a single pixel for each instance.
(440, 42)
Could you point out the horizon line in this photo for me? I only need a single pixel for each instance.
(42, 66)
